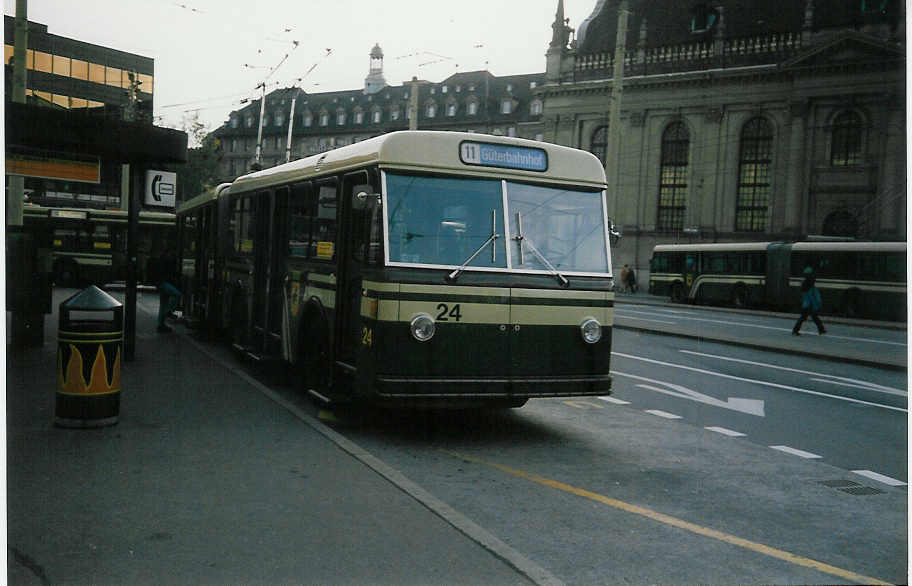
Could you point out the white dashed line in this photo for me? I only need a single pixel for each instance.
(613, 400)
(663, 414)
(794, 452)
(880, 477)
(724, 431)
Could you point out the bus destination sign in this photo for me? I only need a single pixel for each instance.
(504, 156)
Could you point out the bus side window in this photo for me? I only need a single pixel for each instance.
(895, 268)
(242, 225)
(323, 245)
(302, 210)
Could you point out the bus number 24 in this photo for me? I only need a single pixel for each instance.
(447, 313)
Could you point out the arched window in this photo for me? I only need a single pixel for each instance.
(598, 146)
(535, 108)
(846, 147)
(752, 204)
(673, 178)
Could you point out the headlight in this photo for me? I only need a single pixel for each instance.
(423, 327)
(591, 330)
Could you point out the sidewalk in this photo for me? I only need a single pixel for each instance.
(206, 479)
(842, 343)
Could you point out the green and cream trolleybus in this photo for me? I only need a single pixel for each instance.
(416, 267)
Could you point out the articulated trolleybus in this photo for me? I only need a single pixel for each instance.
(857, 279)
(415, 267)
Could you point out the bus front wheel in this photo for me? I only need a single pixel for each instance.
(677, 293)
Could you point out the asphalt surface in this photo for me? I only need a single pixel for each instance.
(209, 478)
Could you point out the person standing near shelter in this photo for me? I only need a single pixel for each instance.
(631, 280)
(168, 293)
(624, 272)
(810, 303)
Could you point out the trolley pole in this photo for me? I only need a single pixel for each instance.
(259, 147)
(290, 126)
(614, 112)
(413, 104)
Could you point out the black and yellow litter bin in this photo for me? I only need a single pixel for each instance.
(89, 350)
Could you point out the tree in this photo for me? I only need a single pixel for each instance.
(200, 173)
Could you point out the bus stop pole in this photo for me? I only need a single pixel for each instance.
(134, 187)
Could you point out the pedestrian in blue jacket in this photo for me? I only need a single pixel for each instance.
(810, 303)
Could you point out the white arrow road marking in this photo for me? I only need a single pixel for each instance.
(758, 382)
(749, 406)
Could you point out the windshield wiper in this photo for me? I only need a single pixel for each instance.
(491, 239)
(520, 238)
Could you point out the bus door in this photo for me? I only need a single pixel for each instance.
(262, 217)
(778, 268)
(354, 231)
(691, 270)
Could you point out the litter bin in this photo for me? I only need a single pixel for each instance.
(89, 349)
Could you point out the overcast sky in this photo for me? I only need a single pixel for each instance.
(200, 47)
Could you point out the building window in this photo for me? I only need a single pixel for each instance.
(847, 140)
(532, 85)
(506, 106)
(443, 89)
(473, 108)
(451, 109)
(598, 146)
(376, 116)
(279, 118)
(359, 117)
(394, 113)
(234, 122)
(431, 110)
(233, 145)
(535, 108)
(308, 119)
(340, 117)
(509, 87)
(249, 121)
(673, 178)
(324, 119)
(752, 206)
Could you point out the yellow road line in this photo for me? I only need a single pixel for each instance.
(679, 523)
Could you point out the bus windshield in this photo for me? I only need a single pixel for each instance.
(446, 220)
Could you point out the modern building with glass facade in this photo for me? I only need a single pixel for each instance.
(88, 111)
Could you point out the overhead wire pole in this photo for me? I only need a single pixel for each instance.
(257, 165)
(613, 165)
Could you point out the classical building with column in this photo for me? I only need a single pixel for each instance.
(739, 121)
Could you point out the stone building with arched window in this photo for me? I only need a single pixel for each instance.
(739, 121)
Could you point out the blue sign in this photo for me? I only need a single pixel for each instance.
(504, 156)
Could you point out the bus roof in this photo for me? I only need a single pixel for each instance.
(795, 246)
(435, 151)
(203, 198)
(718, 246)
(849, 246)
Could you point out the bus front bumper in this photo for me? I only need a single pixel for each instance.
(402, 387)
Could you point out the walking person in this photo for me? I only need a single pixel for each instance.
(624, 272)
(810, 303)
(631, 281)
(168, 293)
